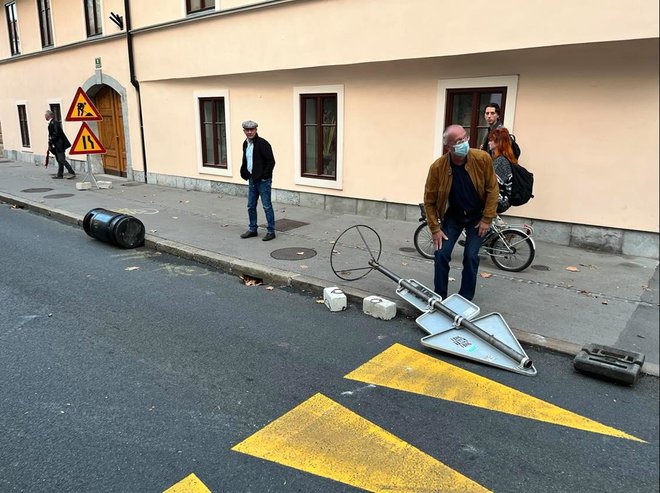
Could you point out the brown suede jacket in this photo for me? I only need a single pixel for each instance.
(438, 185)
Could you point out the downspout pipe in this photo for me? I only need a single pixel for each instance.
(134, 81)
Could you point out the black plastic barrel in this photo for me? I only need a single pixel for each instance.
(112, 227)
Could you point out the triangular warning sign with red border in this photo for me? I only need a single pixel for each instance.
(86, 142)
(82, 109)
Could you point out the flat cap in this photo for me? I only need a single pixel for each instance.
(249, 124)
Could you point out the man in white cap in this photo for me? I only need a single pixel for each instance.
(257, 169)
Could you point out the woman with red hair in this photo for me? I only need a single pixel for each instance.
(499, 143)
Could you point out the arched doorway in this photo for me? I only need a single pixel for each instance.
(111, 130)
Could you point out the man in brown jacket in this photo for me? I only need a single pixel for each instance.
(460, 194)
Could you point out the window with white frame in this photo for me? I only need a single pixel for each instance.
(318, 130)
(12, 28)
(462, 102)
(93, 17)
(213, 132)
(23, 124)
(45, 24)
(196, 6)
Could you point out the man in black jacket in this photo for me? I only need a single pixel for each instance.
(492, 117)
(257, 169)
(57, 144)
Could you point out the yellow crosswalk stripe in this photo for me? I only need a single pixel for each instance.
(324, 438)
(402, 368)
(189, 484)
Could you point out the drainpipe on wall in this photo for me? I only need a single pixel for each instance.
(134, 81)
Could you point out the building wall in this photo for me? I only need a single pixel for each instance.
(55, 77)
(313, 33)
(584, 111)
(571, 113)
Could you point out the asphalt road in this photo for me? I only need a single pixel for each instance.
(128, 370)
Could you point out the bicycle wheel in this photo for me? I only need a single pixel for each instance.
(511, 250)
(424, 241)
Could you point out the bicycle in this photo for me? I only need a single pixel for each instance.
(511, 248)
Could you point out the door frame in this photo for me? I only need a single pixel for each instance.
(91, 86)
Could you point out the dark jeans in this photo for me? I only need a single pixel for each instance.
(452, 227)
(255, 190)
(61, 163)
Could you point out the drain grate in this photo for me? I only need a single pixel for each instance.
(407, 249)
(288, 224)
(58, 195)
(293, 253)
(36, 190)
(540, 267)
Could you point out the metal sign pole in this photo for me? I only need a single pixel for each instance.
(90, 174)
(451, 324)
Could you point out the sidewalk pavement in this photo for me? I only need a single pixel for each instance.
(611, 300)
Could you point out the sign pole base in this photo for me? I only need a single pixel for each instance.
(90, 175)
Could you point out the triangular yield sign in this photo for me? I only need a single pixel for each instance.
(82, 109)
(86, 142)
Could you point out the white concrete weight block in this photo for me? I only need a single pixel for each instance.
(335, 299)
(83, 185)
(104, 184)
(378, 307)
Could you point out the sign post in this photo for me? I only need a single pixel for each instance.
(83, 110)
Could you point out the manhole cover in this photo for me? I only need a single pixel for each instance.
(540, 267)
(407, 249)
(58, 195)
(131, 184)
(36, 190)
(288, 224)
(293, 253)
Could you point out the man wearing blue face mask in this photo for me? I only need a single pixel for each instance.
(461, 193)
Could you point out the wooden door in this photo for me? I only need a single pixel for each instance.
(111, 129)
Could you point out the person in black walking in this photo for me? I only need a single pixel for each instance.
(57, 144)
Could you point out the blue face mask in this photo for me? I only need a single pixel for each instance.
(462, 149)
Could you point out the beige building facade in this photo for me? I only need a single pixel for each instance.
(354, 97)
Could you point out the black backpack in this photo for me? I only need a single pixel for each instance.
(522, 184)
(514, 146)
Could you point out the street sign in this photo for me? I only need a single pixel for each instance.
(86, 142)
(82, 109)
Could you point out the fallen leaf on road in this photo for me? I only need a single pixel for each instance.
(451, 279)
(269, 288)
(250, 281)
(174, 217)
(131, 268)
(404, 263)
(320, 302)
(605, 302)
(303, 267)
(589, 266)
(570, 268)
(153, 230)
(485, 275)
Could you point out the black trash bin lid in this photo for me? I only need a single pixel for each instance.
(129, 232)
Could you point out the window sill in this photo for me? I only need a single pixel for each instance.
(318, 182)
